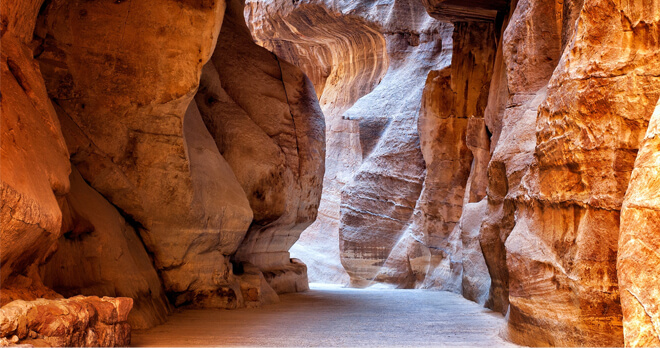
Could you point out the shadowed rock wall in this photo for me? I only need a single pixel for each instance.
(115, 184)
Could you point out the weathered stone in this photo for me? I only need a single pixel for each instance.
(247, 90)
(638, 263)
(453, 98)
(33, 155)
(124, 104)
(562, 253)
(100, 254)
(465, 10)
(74, 322)
(349, 58)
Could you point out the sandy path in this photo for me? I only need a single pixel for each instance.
(332, 316)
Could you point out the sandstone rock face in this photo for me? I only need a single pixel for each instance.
(462, 10)
(529, 169)
(378, 202)
(453, 136)
(264, 116)
(90, 257)
(75, 322)
(638, 263)
(140, 145)
(357, 46)
(561, 254)
(572, 91)
(525, 61)
(345, 56)
(33, 155)
(160, 210)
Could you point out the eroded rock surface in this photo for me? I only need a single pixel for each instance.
(453, 136)
(638, 263)
(562, 252)
(156, 214)
(124, 108)
(264, 116)
(368, 64)
(345, 56)
(33, 157)
(75, 322)
(101, 254)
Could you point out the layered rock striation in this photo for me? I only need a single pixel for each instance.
(571, 96)
(527, 140)
(368, 64)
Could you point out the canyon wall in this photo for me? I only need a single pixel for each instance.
(151, 159)
(153, 156)
(368, 62)
(511, 190)
(345, 56)
(638, 263)
(573, 89)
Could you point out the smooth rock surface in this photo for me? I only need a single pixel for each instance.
(266, 121)
(133, 136)
(33, 155)
(101, 254)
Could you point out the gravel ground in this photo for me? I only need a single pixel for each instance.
(335, 316)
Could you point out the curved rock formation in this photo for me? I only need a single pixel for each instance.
(356, 47)
(152, 210)
(266, 121)
(130, 139)
(345, 57)
(588, 131)
(101, 254)
(34, 157)
(152, 151)
(432, 251)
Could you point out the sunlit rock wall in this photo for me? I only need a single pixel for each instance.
(573, 89)
(115, 184)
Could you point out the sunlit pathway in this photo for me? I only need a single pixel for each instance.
(331, 316)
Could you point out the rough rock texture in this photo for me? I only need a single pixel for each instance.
(462, 10)
(638, 263)
(349, 41)
(101, 254)
(152, 211)
(33, 155)
(75, 322)
(378, 202)
(562, 252)
(265, 119)
(525, 60)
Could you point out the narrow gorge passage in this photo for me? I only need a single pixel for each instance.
(328, 316)
(180, 171)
